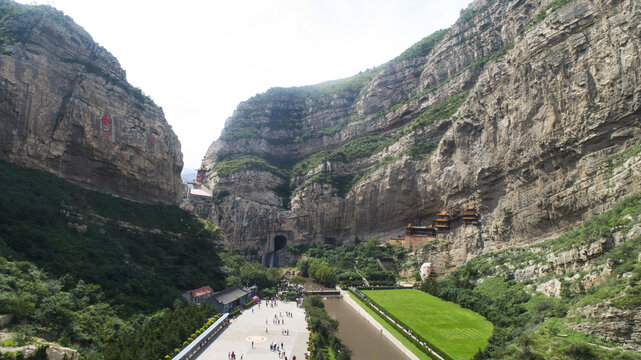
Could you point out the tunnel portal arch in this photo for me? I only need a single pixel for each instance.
(280, 242)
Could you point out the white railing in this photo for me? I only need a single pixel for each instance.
(202, 339)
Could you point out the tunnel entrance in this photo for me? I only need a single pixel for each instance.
(271, 258)
(280, 241)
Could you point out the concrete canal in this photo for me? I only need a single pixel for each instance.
(361, 337)
(365, 341)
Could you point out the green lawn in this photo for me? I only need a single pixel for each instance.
(456, 331)
(408, 344)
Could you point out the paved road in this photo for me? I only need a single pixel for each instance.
(251, 326)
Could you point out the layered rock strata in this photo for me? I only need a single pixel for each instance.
(528, 110)
(66, 107)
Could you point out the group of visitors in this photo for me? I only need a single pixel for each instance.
(277, 319)
(274, 346)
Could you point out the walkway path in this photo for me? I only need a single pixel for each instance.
(250, 326)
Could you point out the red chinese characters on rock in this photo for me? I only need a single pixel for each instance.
(106, 128)
(152, 139)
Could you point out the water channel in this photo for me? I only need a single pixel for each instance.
(365, 342)
(359, 335)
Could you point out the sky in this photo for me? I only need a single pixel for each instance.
(199, 59)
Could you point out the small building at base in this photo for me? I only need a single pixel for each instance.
(199, 295)
(232, 297)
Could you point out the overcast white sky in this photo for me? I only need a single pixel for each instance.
(199, 59)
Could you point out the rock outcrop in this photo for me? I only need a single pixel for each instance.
(66, 107)
(622, 326)
(527, 109)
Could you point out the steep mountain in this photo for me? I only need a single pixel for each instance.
(528, 110)
(66, 107)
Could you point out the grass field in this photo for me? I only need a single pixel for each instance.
(408, 344)
(456, 331)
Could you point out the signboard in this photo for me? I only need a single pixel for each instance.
(152, 139)
(107, 129)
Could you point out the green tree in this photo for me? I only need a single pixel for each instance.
(303, 266)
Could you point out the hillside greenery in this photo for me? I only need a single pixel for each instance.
(250, 123)
(439, 111)
(421, 150)
(103, 274)
(362, 147)
(156, 335)
(142, 255)
(238, 271)
(544, 13)
(225, 168)
(423, 47)
(328, 131)
(469, 13)
(78, 314)
(347, 263)
(530, 325)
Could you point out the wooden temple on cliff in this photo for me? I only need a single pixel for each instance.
(417, 235)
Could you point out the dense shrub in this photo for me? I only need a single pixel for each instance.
(151, 337)
(65, 229)
(349, 262)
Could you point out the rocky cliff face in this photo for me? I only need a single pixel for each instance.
(527, 109)
(66, 107)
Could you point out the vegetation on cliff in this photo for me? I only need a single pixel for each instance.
(10, 10)
(358, 148)
(115, 269)
(252, 121)
(141, 255)
(423, 47)
(367, 146)
(531, 325)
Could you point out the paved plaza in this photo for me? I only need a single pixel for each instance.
(250, 326)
